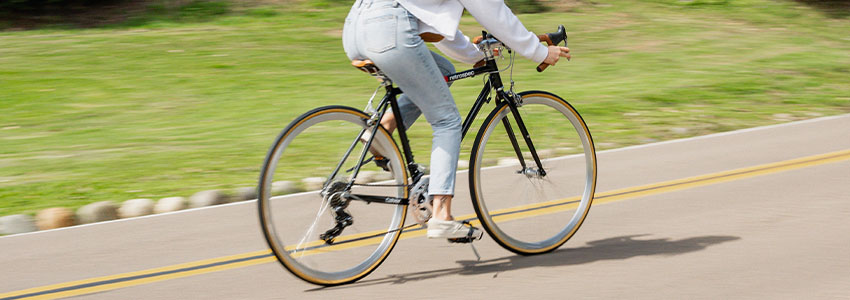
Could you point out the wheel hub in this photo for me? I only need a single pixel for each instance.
(531, 172)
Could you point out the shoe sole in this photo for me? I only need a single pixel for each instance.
(478, 237)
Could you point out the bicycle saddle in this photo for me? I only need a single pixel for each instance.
(366, 66)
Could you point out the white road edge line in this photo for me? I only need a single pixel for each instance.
(713, 135)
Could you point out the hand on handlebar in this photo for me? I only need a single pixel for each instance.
(551, 39)
(555, 53)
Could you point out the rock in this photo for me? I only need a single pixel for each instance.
(783, 117)
(313, 183)
(508, 161)
(136, 208)
(169, 204)
(284, 187)
(384, 176)
(462, 164)
(679, 130)
(542, 153)
(547, 153)
(246, 193)
(56, 217)
(367, 176)
(207, 198)
(565, 150)
(97, 212)
(15, 224)
(606, 145)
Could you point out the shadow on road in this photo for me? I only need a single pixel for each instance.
(622, 247)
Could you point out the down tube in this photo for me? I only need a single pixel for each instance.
(476, 107)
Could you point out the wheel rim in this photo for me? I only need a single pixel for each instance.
(533, 214)
(292, 223)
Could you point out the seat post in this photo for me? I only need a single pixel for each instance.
(392, 92)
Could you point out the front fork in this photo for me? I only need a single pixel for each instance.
(513, 101)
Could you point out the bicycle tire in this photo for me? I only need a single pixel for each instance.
(306, 148)
(526, 213)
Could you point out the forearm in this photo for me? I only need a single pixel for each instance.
(498, 19)
(460, 49)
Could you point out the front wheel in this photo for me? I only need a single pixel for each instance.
(323, 145)
(523, 209)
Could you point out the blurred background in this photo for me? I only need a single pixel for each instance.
(113, 100)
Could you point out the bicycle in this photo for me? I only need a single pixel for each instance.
(550, 177)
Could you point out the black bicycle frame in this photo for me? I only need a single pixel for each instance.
(494, 83)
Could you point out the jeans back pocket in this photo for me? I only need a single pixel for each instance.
(380, 33)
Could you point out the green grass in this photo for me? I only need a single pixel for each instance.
(159, 107)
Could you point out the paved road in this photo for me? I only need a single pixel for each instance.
(776, 231)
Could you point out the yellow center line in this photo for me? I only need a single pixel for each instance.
(105, 283)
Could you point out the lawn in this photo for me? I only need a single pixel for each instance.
(156, 108)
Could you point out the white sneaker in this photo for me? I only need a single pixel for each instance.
(440, 229)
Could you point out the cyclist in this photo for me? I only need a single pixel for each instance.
(392, 33)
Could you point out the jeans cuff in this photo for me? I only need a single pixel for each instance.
(441, 193)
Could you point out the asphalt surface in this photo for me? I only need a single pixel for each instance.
(776, 232)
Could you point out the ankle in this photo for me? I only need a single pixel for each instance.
(444, 218)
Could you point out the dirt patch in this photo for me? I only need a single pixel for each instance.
(337, 33)
(565, 5)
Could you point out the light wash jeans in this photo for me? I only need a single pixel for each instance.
(386, 33)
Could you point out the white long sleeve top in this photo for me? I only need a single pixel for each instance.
(443, 16)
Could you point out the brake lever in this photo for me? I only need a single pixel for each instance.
(559, 36)
(555, 38)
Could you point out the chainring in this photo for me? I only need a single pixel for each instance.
(420, 204)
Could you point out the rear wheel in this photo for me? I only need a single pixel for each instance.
(312, 146)
(523, 209)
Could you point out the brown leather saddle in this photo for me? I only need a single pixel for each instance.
(366, 66)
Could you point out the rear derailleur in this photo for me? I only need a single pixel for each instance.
(334, 194)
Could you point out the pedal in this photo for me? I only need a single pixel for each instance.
(470, 236)
(463, 240)
(380, 161)
(468, 240)
(383, 163)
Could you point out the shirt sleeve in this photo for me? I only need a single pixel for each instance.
(460, 48)
(501, 22)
